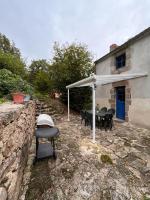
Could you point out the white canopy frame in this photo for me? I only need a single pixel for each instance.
(95, 80)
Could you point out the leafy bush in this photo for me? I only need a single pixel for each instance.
(146, 198)
(12, 63)
(2, 100)
(40, 96)
(10, 57)
(79, 98)
(88, 105)
(10, 82)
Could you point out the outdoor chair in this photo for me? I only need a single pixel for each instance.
(101, 122)
(108, 124)
(89, 119)
(86, 121)
(97, 108)
(104, 109)
(97, 120)
(112, 111)
(83, 115)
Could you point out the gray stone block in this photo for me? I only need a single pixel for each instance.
(3, 193)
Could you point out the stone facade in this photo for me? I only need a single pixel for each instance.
(112, 101)
(137, 91)
(17, 124)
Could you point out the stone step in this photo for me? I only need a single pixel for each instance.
(51, 112)
(47, 106)
(119, 120)
(41, 107)
(48, 113)
(46, 109)
(56, 115)
(44, 105)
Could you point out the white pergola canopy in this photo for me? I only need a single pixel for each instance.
(104, 79)
(95, 80)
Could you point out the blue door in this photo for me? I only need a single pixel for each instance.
(120, 102)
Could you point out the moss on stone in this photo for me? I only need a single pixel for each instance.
(106, 159)
(146, 198)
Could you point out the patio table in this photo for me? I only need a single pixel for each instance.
(99, 113)
(100, 117)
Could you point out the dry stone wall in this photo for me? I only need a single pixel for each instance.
(17, 125)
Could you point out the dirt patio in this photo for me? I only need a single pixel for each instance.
(116, 167)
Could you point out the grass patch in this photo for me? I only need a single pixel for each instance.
(2, 100)
(146, 198)
(106, 159)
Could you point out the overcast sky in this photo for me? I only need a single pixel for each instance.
(34, 25)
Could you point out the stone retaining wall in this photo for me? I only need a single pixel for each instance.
(17, 124)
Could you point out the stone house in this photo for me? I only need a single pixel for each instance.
(130, 98)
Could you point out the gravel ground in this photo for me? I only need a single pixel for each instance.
(116, 167)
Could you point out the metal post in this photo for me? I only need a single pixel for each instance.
(93, 100)
(68, 107)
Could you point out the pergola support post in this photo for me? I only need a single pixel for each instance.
(93, 100)
(68, 106)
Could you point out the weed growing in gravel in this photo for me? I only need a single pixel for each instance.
(106, 159)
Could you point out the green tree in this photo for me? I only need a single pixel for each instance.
(40, 75)
(12, 63)
(10, 57)
(7, 47)
(72, 63)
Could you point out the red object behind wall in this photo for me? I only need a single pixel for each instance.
(18, 97)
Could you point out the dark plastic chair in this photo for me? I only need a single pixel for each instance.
(97, 119)
(86, 118)
(112, 111)
(104, 109)
(108, 124)
(102, 122)
(89, 118)
(83, 115)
